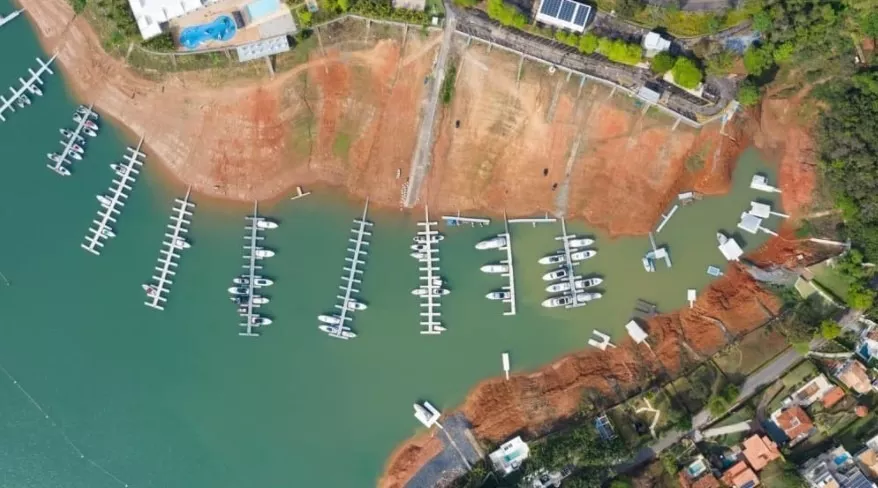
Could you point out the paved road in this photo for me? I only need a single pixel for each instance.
(424, 145)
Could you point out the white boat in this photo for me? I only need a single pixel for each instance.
(22, 101)
(35, 90)
(648, 265)
(238, 299)
(588, 283)
(583, 255)
(107, 232)
(587, 297)
(439, 328)
(266, 224)
(260, 320)
(499, 295)
(423, 239)
(150, 290)
(258, 300)
(263, 253)
(82, 110)
(70, 135)
(61, 170)
(435, 292)
(344, 333)
(420, 256)
(77, 149)
(54, 157)
(355, 305)
(553, 259)
(238, 290)
(560, 301)
(75, 155)
(119, 168)
(329, 319)
(89, 132)
(557, 274)
(581, 242)
(558, 287)
(492, 243)
(105, 200)
(258, 281)
(721, 238)
(90, 124)
(436, 282)
(418, 247)
(181, 243)
(495, 268)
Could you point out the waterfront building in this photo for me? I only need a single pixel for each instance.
(151, 15)
(509, 456)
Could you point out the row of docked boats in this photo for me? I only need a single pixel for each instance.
(572, 289)
(242, 292)
(436, 287)
(72, 141)
(23, 100)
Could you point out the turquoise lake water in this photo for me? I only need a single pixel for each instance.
(178, 399)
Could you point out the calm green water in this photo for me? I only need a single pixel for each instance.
(177, 399)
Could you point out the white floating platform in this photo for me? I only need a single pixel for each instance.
(26, 86)
(169, 254)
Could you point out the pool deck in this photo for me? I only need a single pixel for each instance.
(245, 35)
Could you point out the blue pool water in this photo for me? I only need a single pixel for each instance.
(221, 29)
(841, 459)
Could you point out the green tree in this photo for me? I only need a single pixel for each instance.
(506, 14)
(720, 62)
(620, 51)
(748, 93)
(762, 21)
(757, 60)
(860, 297)
(588, 43)
(686, 73)
(662, 63)
(783, 52)
(304, 17)
(829, 329)
(869, 24)
(78, 6)
(621, 483)
(343, 5)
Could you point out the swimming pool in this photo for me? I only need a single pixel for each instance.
(222, 28)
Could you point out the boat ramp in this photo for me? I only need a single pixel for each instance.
(432, 287)
(175, 241)
(248, 301)
(29, 86)
(73, 142)
(126, 175)
(352, 276)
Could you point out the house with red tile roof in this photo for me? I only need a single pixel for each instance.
(759, 451)
(794, 422)
(740, 476)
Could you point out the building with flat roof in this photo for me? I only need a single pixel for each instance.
(509, 456)
(566, 14)
(653, 43)
(834, 469)
(255, 25)
(812, 391)
(153, 15)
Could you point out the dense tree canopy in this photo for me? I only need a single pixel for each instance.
(686, 73)
(662, 63)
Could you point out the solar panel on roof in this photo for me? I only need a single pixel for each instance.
(566, 13)
(581, 15)
(550, 7)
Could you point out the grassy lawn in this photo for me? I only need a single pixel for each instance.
(747, 411)
(772, 476)
(757, 348)
(830, 280)
(693, 390)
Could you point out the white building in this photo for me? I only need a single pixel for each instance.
(835, 468)
(654, 43)
(151, 15)
(566, 14)
(510, 456)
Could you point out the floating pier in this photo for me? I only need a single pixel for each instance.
(7, 19)
(429, 273)
(455, 220)
(27, 86)
(658, 252)
(505, 360)
(111, 205)
(665, 219)
(691, 295)
(603, 341)
(565, 239)
(353, 272)
(760, 183)
(510, 275)
(300, 193)
(645, 309)
(252, 320)
(534, 220)
(58, 165)
(174, 242)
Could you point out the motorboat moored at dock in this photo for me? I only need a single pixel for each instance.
(181, 243)
(266, 224)
(261, 253)
(259, 320)
(583, 255)
(495, 268)
(432, 291)
(344, 333)
(496, 242)
(150, 290)
(107, 232)
(88, 131)
(105, 200)
(355, 305)
(89, 124)
(34, 89)
(86, 111)
(329, 319)
(587, 297)
(580, 242)
(76, 148)
(258, 300)
(423, 239)
(499, 295)
(557, 274)
(258, 281)
(553, 259)
(69, 134)
(239, 290)
(561, 301)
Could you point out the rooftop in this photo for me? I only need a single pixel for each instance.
(731, 250)
(794, 422)
(854, 375)
(812, 391)
(740, 476)
(564, 13)
(254, 20)
(509, 456)
(151, 14)
(833, 396)
(759, 451)
(654, 42)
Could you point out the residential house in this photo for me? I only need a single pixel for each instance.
(740, 476)
(854, 375)
(812, 391)
(834, 469)
(759, 451)
(867, 459)
(509, 456)
(833, 396)
(794, 423)
(698, 475)
(654, 43)
(868, 346)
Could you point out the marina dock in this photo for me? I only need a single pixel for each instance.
(111, 204)
(565, 239)
(59, 165)
(252, 250)
(666, 218)
(534, 220)
(511, 273)
(353, 274)
(429, 273)
(456, 220)
(174, 242)
(28, 86)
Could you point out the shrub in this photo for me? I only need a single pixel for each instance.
(662, 63)
(506, 14)
(860, 297)
(588, 43)
(686, 73)
(78, 5)
(829, 329)
(619, 51)
(304, 17)
(748, 94)
(757, 60)
(721, 62)
(783, 52)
